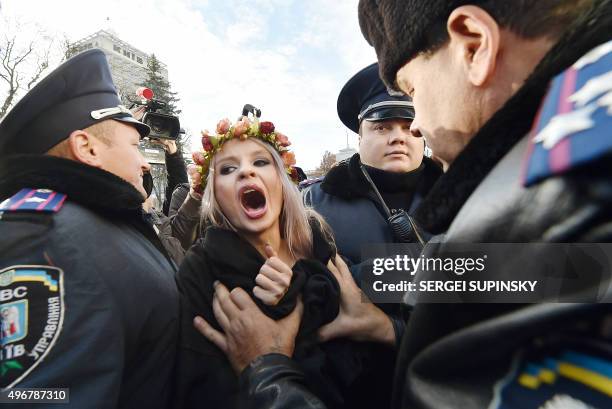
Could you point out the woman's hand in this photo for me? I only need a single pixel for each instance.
(273, 280)
(358, 318)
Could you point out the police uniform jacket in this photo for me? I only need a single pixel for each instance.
(507, 187)
(74, 235)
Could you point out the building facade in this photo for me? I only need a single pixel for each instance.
(128, 64)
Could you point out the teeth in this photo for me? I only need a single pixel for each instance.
(249, 190)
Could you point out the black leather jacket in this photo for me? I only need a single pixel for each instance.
(467, 356)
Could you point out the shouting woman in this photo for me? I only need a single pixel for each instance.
(261, 238)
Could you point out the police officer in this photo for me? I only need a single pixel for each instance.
(367, 198)
(520, 118)
(86, 282)
(389, 176)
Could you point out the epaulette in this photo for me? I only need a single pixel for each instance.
(34, 200)
(309, 182)
(572, 127)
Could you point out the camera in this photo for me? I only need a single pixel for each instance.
(163, 126)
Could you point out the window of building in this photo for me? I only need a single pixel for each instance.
(126, 53)
(139, 60)
(116, 48)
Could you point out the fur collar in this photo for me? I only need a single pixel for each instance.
(346, 180)
(511, 123)
(89, 186)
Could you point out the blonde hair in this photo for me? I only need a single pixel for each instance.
(294, 217)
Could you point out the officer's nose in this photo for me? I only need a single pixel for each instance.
(398, 135)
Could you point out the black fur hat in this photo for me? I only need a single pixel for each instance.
(400, 29)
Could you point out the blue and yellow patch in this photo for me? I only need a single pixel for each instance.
(584, 377)
(573, 126)
(37, 200)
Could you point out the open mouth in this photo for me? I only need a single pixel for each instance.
(253, 201)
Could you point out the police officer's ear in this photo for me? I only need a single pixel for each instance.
(474, 41)
(86, 148)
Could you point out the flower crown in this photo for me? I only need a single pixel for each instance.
(243, 129)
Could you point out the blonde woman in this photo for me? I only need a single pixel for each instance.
(261, 238)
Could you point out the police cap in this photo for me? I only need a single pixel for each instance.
(365, 97)
(76, 95)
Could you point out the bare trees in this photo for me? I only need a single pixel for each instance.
(23, 59)
(328, 161)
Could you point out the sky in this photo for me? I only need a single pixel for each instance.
(289, 58)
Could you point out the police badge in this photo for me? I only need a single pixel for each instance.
(32, 312)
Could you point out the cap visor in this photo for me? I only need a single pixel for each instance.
(390, 113)
(143, 129)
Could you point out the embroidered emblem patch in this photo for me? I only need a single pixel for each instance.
(32, 312)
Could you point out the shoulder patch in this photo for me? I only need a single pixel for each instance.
(37, 200)
(32, 314)
(572, 127)
(310, 182)
(570, 378)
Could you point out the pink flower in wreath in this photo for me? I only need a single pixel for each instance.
(282, 139)
(223, 126)
(288, 158)
(241, 127)
(198, 158)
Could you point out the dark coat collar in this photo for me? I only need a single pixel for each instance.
(221, 247)
(93, 188)
(235, 262)
(511, 123)
(346, 180)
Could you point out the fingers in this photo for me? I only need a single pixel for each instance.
(299, 308)
(294, 319)
(221, 317)
(341, 265)
(280, 276)
(272, 284)
(210, 333)
(332, 267)
(279, 265)
(242, 300)
(267, 297)
(270, 251)
(226, 303)
(326, 332)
